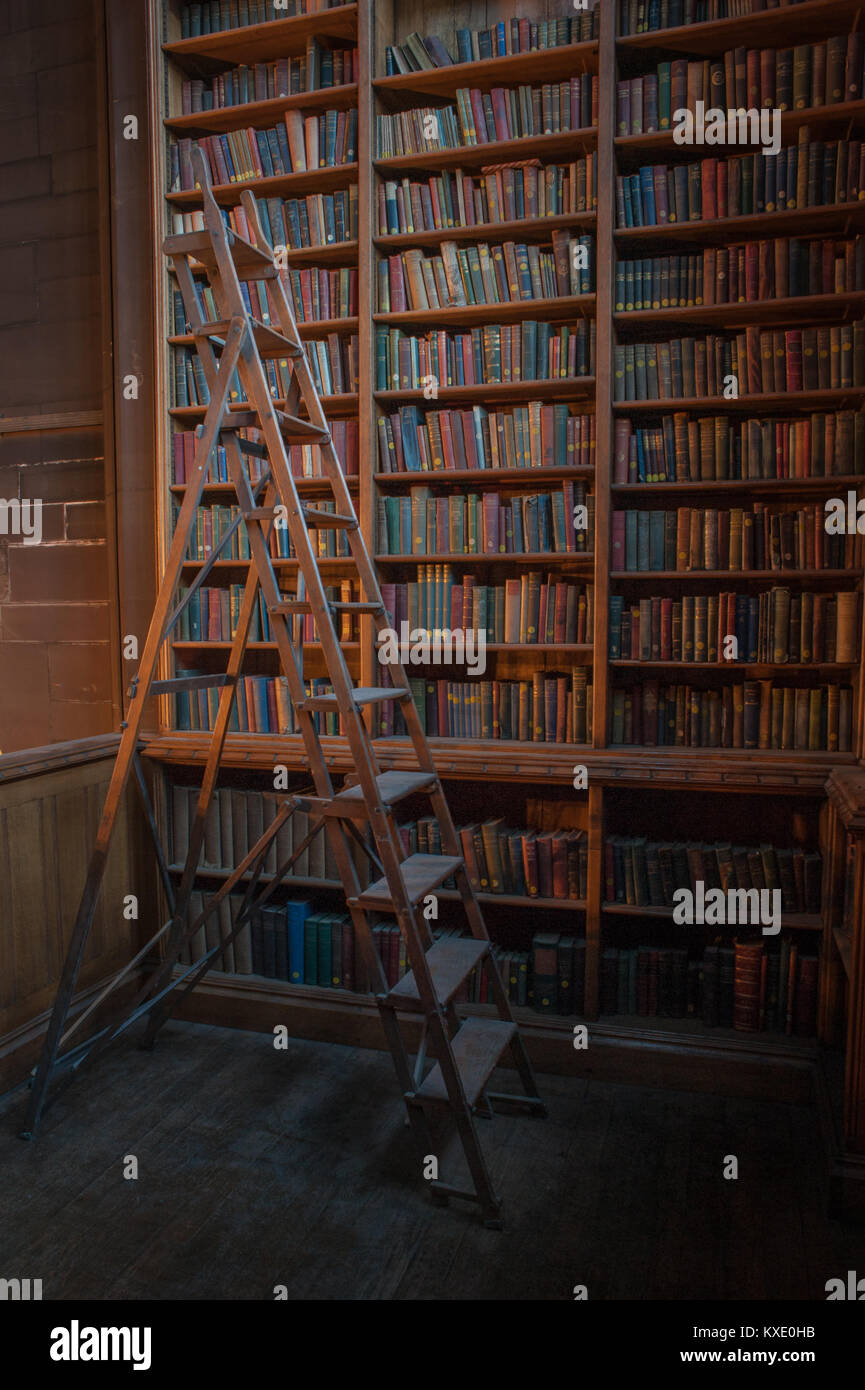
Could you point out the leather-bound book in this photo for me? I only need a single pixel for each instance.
(749, 956)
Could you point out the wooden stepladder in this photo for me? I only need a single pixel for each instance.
(463, 1051)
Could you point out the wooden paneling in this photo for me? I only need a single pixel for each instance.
(47, 826)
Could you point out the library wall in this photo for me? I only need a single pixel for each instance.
(55, 666)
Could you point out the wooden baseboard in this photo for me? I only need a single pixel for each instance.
(627, 1055)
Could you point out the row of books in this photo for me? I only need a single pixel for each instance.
(212, 615)
(753, 272)
(304, 460)
(810, 174)
(738, 538)
(646, 872)
(528, 351)
(319, 219)
(499, 858)
(756, 714)
(320, 68)
(419, 53)
(211, 524)
(527, 436)
(828, 357)
(483, 118)
(302, 145)
(333, 361)
(262, 706)
(526, 863)
(506, 193)
(749, 985)
(486, 524)
(550, 708)
(637, 17)
(680, 449)
(315, 293)
(236, 819)
(783, 79)
(778, 626)
(520, 611)
(501, 274)
(211, 16)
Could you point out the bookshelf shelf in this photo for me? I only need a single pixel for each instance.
(562, 143)
(256, 113)
(784, 487)
(530, 228)
(513, 311)
(534, 557)
(539, 64)
(742, 576)
(505, 771)
(325, 561)
(838, 398)
(832, 217)
(321, 180)
(213, 646)
(774, 771)
(303, 485)
(811, 19)
(562, 389)
(739, 668)
(447, 894)
(333, 405)
(307, 328)
(790, 921)
(332, 253)
(490, 477)
(840, 308)
(257, 43)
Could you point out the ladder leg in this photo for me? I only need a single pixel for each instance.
(159, 1014)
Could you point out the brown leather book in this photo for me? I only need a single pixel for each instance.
(747, 981)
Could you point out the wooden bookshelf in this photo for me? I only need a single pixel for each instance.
(709, 781)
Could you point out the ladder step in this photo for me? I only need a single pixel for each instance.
(267, 340)
(362, 695)
(477, 1048)
(304, 606)
(252, 263)
(392, 787)
(260, 514)
(358, 607)
(451, 960)
(421, 873)
(329, 521)
(188, 683)
(290, 606)
(291, 426)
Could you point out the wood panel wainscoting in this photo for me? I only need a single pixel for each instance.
(50, 803)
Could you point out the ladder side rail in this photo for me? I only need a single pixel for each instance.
(129, 737)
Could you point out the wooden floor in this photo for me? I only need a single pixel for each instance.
(260, 1168)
